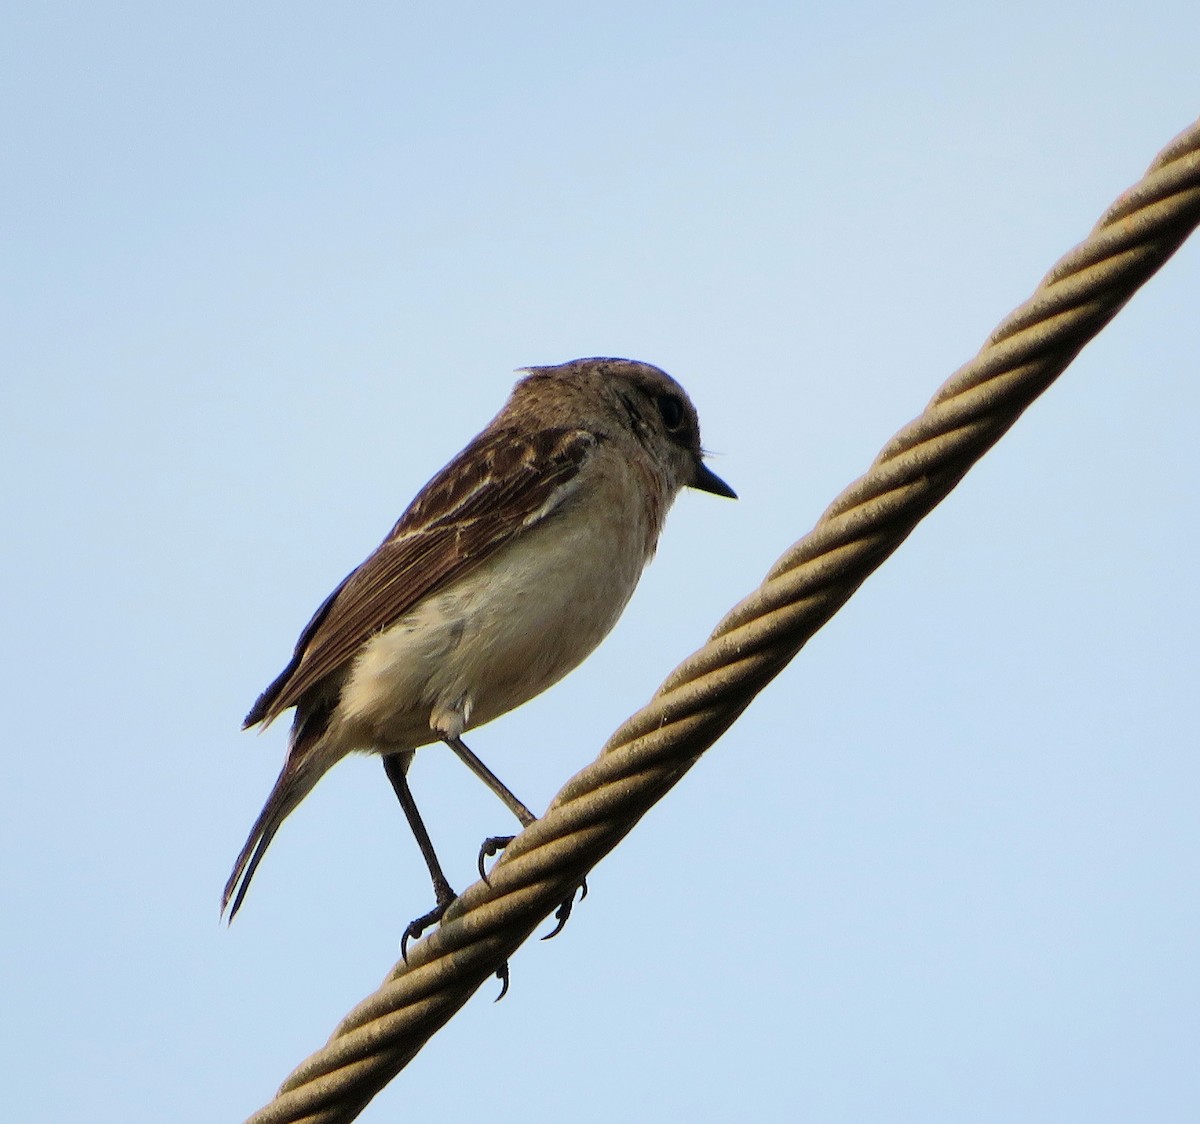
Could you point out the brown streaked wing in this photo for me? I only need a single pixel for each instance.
(476, 504)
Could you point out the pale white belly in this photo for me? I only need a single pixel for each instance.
(499, 636)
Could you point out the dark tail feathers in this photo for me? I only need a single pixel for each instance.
(295, 782)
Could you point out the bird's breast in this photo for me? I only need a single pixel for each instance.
(508, 629)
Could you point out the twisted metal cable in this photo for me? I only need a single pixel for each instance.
(756, 639)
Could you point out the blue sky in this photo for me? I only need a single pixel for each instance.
(267, 269)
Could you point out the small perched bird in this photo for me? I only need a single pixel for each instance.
(508, 568)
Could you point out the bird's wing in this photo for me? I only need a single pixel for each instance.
(500, 484)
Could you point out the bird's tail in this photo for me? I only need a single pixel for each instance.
(296, 780)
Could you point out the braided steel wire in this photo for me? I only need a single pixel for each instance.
(756, 639)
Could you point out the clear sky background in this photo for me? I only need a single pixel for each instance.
(267, 267)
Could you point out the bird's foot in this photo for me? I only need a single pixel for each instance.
(493, 845)
(564, 911)
(419, 924)
(502, 976)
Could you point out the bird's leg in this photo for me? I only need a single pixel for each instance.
(491, 780)
(494, 844)
(396, 767)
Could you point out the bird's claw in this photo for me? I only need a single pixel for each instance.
(418, 925)
(492, 845)
(502, 976)
(564, 911)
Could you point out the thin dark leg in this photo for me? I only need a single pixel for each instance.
(494, 844)
(394, 765)
(491, 780)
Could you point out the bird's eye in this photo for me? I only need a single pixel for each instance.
(670, 408)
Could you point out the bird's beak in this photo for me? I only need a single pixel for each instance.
(706, 480)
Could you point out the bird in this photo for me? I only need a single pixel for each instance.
(506, 571)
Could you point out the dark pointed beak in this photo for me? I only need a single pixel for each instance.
(706, 480)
